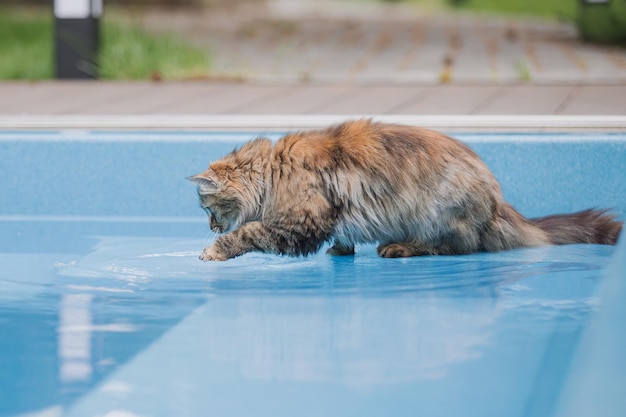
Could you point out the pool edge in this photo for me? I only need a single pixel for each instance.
(299, 121)
(596, 382)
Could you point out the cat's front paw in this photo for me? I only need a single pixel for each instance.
(211, 254)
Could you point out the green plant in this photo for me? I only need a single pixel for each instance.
(25, 46)
(523, 70)
(603, 22)
(560, 9)
(127, 52)
(130, 53)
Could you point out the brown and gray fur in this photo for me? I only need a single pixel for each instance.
(413, 191)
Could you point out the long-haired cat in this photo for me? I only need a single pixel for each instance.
(413, 191)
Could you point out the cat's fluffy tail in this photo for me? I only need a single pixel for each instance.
(587, 226)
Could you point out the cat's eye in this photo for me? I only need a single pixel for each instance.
(207, 210)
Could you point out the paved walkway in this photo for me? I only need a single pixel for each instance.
(304, 58)
(342, 41)
(214, 98)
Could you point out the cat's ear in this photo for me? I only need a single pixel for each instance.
(206, 184)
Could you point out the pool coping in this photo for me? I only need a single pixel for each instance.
(290, 121)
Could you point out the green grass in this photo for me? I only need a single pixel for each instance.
(25, 46)
(558, 9)
(26, 50)
(130, 53)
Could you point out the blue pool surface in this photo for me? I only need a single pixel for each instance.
(105, 309)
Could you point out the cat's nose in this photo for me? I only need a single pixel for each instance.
(214, 224)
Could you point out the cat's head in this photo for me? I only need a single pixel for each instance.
(230, 190)
(220, 200)
(228, 202)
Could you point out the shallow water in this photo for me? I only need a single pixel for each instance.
(113, 315)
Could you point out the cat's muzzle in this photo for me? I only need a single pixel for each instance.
(215, 225)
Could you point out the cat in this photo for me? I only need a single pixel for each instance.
(412, 190)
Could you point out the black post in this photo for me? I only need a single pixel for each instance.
(77, 38)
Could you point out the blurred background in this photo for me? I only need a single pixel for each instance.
(334, 41)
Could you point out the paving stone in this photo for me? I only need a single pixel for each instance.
(451, 99)
(367, 100)
(598, 100)
(334, 41)
(529, 99)
(298, 100)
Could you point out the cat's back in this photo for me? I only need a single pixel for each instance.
(341, 145)
(370, 146)
(381, 182)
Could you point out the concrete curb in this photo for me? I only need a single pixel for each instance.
(288, 122)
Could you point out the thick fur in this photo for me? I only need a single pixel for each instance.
(413, 191)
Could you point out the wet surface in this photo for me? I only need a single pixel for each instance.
(131, 315)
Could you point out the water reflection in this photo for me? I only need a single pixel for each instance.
(352, 319)
(75, 338)
(353, 323)
(352, 340)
